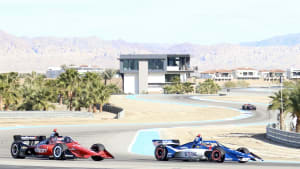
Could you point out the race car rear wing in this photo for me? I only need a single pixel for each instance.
(165, 142)
(29, 138)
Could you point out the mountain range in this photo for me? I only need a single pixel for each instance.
(23, 54)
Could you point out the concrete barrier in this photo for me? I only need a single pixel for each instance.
(114, 109)
(284, 137)
(42, 114)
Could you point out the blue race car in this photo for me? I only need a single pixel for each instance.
(201, 150)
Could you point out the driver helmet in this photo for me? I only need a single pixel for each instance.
(198, 139)
(54, 133)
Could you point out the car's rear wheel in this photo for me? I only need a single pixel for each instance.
(59, 152)
(97, 148)
(218, 155)
(161, 153)
(15, 150)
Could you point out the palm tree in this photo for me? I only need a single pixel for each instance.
(294, 105)
(208, 87)
(37, 93)
(108, 74)
(71, 79)
(9, 93)
(276, 104)
(100, 95)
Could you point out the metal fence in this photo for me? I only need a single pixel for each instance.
(288, 138)
(43, 114)
(114, 109)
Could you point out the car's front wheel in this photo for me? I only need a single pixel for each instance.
(97, 148)
(161, 153)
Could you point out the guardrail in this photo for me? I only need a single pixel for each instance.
(284, 137)
(114, 109)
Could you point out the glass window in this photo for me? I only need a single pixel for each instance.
(250, 73)
(130, 64)
(172, 61)
(156, 64)
(244, 73)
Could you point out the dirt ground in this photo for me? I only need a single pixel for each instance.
(136, 112)
(252, 137)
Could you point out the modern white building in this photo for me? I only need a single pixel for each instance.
(271, 75)
(217, 75)
(293, 74)
(54, 72)
(245, 73)
(148, 73)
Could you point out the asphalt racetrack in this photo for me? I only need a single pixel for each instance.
(118, 137)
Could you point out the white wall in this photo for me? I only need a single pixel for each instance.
(155, 89)
(182, 77)
(156, 78)
(131, 83)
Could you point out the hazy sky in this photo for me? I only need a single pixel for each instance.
(162, 21)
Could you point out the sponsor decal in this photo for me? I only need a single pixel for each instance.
(190, 154)
(40, 150)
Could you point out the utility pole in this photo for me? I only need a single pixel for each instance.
(281, 104)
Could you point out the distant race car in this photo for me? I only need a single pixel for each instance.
(55, 147)
(200, 150)
(248, 107)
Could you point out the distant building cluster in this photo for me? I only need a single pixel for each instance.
(54, 72)
(246, 73)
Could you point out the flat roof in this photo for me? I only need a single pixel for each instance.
(151, 56)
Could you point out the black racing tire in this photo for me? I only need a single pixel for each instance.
(15, 150)
(243, 150)
(97, 148)
(58, 151)
(218, 155)
(161, 153)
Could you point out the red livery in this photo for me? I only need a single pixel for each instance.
(55, 147)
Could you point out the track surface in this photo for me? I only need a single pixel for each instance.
(117, 139)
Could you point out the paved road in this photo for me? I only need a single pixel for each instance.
(117, 139)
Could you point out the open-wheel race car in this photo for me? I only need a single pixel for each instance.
(248, 107)
(55, 147)
(200, 150)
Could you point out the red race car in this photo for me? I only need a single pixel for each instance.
(55, 147)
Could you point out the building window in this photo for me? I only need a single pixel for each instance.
(130, 64)
(156, 64)
(244, 73)
(250, 73)
(172, 61)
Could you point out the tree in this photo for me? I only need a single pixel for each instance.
(9, 90)
(276, 104)
(101, 95)
(108, 74)
(294, 106)
(36, 93)
(188, 87)
(71, 80)
(208, 87)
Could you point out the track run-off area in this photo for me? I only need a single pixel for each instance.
(131, 143)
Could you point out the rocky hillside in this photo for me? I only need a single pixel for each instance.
(26, 54)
